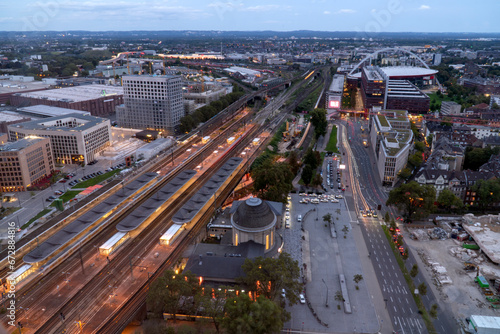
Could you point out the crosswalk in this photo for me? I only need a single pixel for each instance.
(408, 325)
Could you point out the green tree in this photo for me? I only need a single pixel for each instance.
(312, 158)
(213, 302)
(171, 291)
(317, 180)
(327, 218)
(415, 159)
(448, 199)
(414, 270)
(268, 276)
(272, 181)
(433, 312)
(357, 278)
(293, 161)
(422, 289)
(307, 173)
(420, 146)
(429, 139)
(318, 119)
(246, 317)
(387, 217)
(405, 173)
(488, 192)
(476, 157)
(339, 297)
(414, 200)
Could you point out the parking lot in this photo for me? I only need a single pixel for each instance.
(322, 258)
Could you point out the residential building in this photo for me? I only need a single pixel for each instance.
(151, 103)
(24, 162)
(75, 138)
(392, 139)
(446, 154)
(450, 108)
(99, 100)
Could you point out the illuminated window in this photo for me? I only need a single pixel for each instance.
(236, 239)
(267, 241)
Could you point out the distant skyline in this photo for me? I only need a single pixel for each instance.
(243, 15)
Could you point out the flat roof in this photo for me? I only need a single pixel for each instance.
(15, 86)
(73, 122)
(6, 116)
(49, 111)
(139, 215)
(485, 230)
(194, 205)
(484, 321)
(337, 83)
(76, 93)
(20, 144)
(372, 73)
(75, 228)
(407, 71)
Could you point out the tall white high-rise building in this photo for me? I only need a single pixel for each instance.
(151, 103)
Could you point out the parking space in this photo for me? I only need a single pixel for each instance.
(322, 258)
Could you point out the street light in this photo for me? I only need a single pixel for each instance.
(326, 301)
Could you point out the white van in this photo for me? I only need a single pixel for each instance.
(299, 218)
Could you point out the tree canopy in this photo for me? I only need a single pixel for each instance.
(243, 316)
(272, 180)
(476, 157)
(171, 292)
(318, 119)
(268, 276)
(414, 200)
(448, 199)
(488, 192)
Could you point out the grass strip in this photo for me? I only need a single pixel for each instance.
(39, 215)
(420, 305)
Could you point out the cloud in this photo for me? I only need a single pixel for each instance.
(264, 8)
(346, 11)
(326, 12)
(424, 7)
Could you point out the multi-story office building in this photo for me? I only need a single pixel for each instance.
(373, 86)
(151, 103)
(75, 138)
(24, 162)
(403, 95)
(335, 92)
(391, 139)
(450, 108)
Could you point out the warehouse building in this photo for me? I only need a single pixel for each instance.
(98, 100)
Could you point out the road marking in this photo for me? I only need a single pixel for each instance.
(385, 281)
(392, 300)
(379, 265)
(395, 309)
(407, 302)
(393, 267)
(382, 273)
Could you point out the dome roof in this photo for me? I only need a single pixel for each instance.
(254, 213)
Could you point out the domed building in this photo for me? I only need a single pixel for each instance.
(255, 220)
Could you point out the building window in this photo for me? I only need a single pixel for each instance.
(267, 241)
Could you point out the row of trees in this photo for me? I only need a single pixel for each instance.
(311, 161)
(203, 114)
(257, 310)
(318, 120)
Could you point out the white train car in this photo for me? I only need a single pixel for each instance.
(172, 233)
(113, 243)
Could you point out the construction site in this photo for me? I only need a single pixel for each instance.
(461, 256)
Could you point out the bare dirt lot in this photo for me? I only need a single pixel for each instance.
(463, 296)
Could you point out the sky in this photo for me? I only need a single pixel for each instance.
(245, 15)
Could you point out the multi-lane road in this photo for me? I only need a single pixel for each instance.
(367, 193)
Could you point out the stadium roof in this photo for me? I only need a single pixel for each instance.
(403, 72)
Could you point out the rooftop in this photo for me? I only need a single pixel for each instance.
(20, 144)
(14, 86)
(69, 122)
(76, 93)
(485, 230)
(43, 111)
(337, 83)
(6, 116)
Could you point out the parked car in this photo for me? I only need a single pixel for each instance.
(302, 299)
